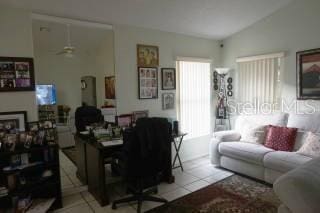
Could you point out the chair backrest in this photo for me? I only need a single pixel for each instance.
(148, 147)
(86, 115)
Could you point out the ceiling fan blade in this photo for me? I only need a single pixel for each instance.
(61, 52)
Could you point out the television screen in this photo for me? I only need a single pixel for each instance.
(46, 94)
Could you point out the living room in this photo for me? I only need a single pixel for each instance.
(237, 36)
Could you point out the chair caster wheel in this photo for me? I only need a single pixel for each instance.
(114, 206)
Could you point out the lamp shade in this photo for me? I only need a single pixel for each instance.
(222, 71)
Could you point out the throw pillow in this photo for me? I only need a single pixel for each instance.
(311, 147)
(253, 134)
(280, 138)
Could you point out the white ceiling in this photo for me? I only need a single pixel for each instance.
(205, 18)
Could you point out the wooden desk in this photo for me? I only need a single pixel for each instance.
(95, 155)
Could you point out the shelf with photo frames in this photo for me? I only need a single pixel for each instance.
(29, 169)
(47, 112)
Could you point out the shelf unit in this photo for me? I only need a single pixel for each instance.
(38, 179)
(47, 112)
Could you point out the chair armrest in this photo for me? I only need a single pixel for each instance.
(219, 137)
(227, 136)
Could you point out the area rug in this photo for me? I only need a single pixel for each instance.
(235, 194)
(71, 153)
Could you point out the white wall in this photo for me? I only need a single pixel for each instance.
(66, 73)
(105, 67)
(170, 46)
(291, 29)
(16, 41)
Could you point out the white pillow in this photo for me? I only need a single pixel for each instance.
(253, 134)
(311, 147)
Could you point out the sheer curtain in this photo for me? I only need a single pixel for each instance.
(194, 93)
(259, 79)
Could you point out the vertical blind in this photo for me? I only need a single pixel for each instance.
(259, 80)
(194, 98)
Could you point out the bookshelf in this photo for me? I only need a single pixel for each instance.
(47, 112)
(30, 179)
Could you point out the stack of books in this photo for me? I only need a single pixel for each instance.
(3, 191)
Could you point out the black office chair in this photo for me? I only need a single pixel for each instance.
(86, 115)
(143, 159)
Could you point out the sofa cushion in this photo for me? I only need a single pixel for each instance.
(299, 189)
(278, 119)
(253, 134)
(249, 152)
(311, 147)
(305, 122)
(284, 161)
(300, 140)
(280, 138)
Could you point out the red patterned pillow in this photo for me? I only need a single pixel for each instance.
(280, 138)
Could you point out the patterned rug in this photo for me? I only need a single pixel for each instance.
(70, 152)
(234, 194)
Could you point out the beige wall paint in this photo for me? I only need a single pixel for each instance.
(16, 41)
(292, 29)
(170, 46)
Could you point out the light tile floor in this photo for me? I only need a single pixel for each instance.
(198, 174)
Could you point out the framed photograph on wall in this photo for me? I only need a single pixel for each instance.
(167, 101)
(168, 78)
(110, 90)
(148, 82)
(308, 74)
(13, 122)
(16, 74)
(139, 114)
(147, 55)
(124, 120)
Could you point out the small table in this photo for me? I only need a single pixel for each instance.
(177, 141)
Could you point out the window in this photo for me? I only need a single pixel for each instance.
(259, 78)
(194, 102)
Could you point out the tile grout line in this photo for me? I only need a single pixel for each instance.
(87, 202)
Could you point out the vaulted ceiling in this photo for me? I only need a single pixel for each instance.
(216, 19)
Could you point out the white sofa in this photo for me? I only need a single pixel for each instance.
(299, 189)
(255, 160)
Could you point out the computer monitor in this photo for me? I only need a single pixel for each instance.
(46, 94)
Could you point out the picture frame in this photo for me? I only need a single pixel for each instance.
(139, 114)
(47, 124)
(40, 137)
(49, 135)
(110, 91)
(147, 55)
(308, 74)
(168, 78)
(168, 101)
(16, 74)
(12, 122)
(148, 82)
(10, 142)
(124, 120)
(28, 142)
(33, 126)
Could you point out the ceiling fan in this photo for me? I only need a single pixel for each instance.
(68, 50)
